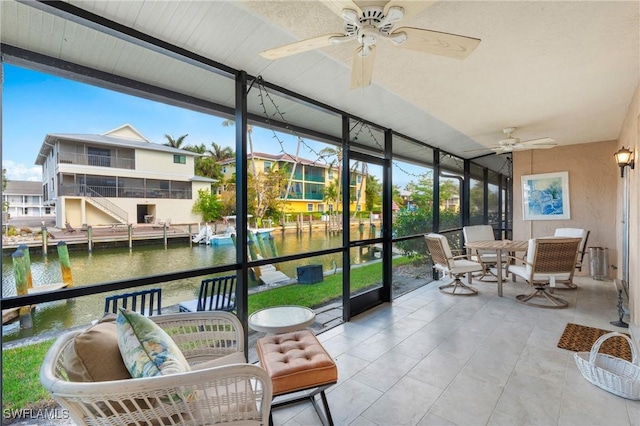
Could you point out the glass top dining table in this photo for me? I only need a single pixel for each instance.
(498, 246)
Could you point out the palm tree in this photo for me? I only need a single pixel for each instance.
(229, 123)
(293, 170)
(174, 143)
(337, 153)
(363, 172)
(219, 153)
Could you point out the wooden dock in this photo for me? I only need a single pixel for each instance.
(108, 235)
(11, 314)
(268, 274)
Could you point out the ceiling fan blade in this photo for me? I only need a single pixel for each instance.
(539, 141)
(411, 8)
(304, 45)
(541, 146)
(437, 43)
(337, 6)
(480, 149)
(362, 67)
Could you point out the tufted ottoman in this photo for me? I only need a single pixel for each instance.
(298, 362)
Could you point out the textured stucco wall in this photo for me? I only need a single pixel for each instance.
(593, 179)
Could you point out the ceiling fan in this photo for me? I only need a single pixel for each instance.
(368, 21)
(511, 143)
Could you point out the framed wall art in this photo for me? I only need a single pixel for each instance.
(546, 196)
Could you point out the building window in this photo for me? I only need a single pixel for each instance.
(266, 166)
(330, 174)
(359, 208)
(359, 178)
(179, 159)
(47, 210)
(309, 207)
(98, 157)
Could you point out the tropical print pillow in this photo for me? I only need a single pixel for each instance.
(147, 350)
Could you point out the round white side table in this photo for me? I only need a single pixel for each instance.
(281, 319)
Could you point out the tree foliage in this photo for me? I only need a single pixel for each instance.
(373, 193)
(5, 204)
(413, 222)
(207, 205)
(174, 143)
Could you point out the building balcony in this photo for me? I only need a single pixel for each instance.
(96, 160)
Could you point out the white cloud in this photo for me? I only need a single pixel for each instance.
(18, 171)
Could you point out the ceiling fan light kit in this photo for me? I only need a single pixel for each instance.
(373, 22)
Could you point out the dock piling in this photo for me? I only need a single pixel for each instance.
(65, 264)
(27, 264)
(20, 275)
(45, 237)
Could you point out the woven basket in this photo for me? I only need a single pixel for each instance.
(610, 373)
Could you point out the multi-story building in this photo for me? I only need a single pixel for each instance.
(117, 177)
(24, 199)
(309, 183)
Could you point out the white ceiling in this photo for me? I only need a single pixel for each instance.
(563, 69)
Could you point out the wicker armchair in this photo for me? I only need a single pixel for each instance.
(231, 394)
(549, 260)
(584, 237)
(454, 266)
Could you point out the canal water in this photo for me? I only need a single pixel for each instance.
(112, 264)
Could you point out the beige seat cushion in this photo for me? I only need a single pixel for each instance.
(296, 361)
(93, 356)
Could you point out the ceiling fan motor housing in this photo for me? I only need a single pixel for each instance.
(371, 23)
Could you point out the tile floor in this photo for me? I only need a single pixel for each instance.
(436, 359)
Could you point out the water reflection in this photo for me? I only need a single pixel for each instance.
(112, 264)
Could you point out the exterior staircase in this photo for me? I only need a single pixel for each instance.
(105, 205)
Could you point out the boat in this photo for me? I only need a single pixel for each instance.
(203, 236)
(223, 239)
(263, 232)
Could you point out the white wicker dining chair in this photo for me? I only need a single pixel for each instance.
(231, 394)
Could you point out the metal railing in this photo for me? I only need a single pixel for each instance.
(125, 192)
(96, 160)
(107, 205)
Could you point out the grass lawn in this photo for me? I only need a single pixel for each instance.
(21, 386)
(312, 295)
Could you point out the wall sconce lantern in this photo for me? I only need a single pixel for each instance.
(624, 158)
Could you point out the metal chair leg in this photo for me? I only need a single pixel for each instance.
(463, 289)
(540, 292)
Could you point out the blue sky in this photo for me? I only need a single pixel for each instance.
(35, 104)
